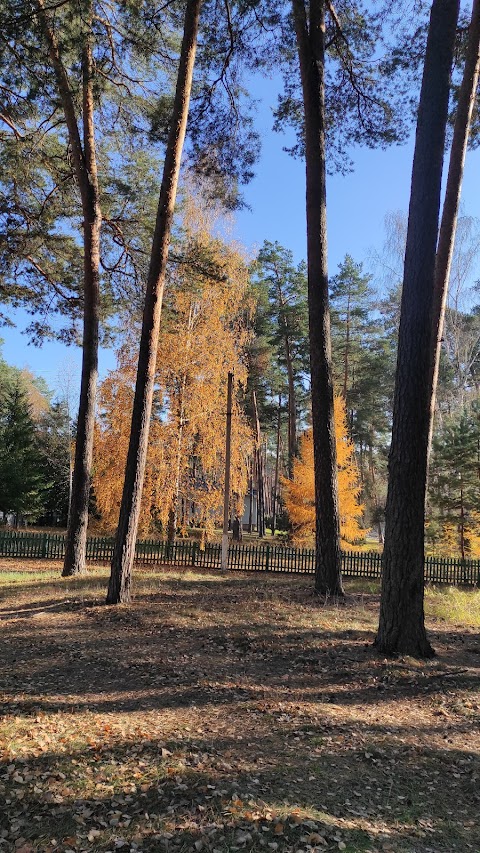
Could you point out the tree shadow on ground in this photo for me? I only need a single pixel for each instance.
(230, 792)
(166, 710)
(170, 660)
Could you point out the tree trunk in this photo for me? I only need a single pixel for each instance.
(402, 625)
(462, 523)
(173, 512)
(277, 466)
(292, 403)
(85, 164)
(371, 466)
(259, 471)
(347, 351)
(228, 462)
(70, 482)
(119, 589)
(311, 51)
(260, 494)
(75, 548)
(250, 502)
(448, 226)
(292, 410)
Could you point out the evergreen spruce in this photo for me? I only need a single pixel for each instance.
(23, 484)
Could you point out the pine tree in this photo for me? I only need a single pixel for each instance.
(364, 369)
(454, 489)
(334, 53)
(446, 239)
(54, 439)
(402, 622)
(350, 311)
(285, 302)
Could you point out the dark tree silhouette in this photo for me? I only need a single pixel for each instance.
(402, 624)
(310, 34)
(120, 579)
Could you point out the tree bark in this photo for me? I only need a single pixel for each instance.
(75, 548)
(119, 589)
(277, 466)
(85, 164)
(448, 226)
(402, 624)
(311, 51)
(371, 466)
(260, 495)
(292, 410)
(259, 471)
(250, 496)
(292, 403)
(347, 349)
(462, 523)
(173, 512)
(228, 462)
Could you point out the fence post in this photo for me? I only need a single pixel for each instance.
(44, 545)
(267, 561)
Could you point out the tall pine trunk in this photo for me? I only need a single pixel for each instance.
(250, 494)
(292, 402)
(402, 624)
(85, 165)
(292, 409)
(260, 494)
(119, 588)
(277, 466)
(448, 226)
(311, 51)
(347, 350)
(259, 470)
(75, 548)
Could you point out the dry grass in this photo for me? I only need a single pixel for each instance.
(231, 713)
(454, 606)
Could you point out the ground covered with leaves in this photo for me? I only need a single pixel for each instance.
(231, 713)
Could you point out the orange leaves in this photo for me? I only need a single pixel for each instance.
(300, 492)
(204, 331)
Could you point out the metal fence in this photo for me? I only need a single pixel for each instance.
(243, 558)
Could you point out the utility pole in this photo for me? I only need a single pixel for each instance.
(226, 500)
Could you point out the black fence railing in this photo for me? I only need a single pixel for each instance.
(242, 558)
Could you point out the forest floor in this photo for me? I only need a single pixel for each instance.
(231, 713)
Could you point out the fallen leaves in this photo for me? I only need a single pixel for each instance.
(259, 728)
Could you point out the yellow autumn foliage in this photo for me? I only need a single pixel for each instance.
(205, 328)
(300, 492)
(473, 535)
(449, 544)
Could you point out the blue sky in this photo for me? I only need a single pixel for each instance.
(357, 205)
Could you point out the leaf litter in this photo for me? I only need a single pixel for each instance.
(228, 713)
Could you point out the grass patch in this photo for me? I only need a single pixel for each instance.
(455, 606)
